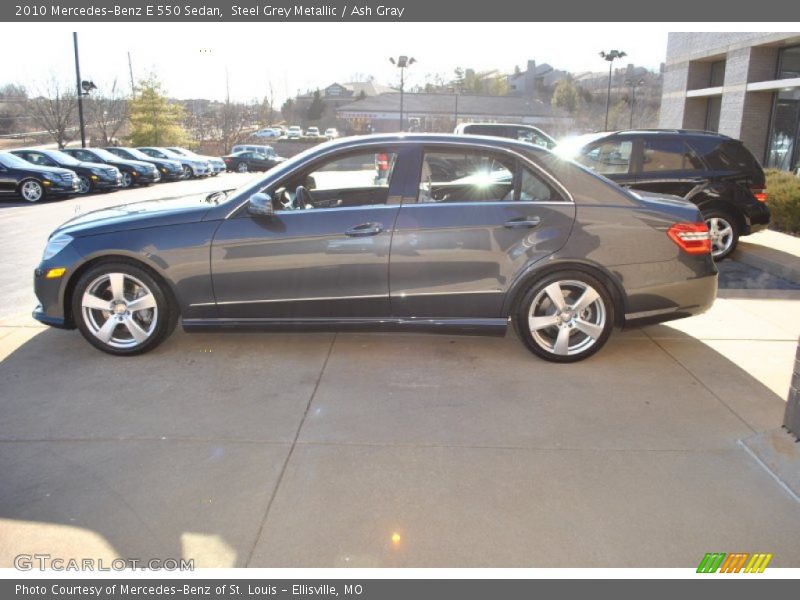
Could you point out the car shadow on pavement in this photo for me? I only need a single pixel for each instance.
(384, 450)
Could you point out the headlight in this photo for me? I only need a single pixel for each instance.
(97, 172)
(55, 245)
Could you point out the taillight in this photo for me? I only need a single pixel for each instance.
(692, 238)
(382, 162)
(759, 194)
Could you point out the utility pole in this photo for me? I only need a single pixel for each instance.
(130, 70)
(79, 89)
(610, 56)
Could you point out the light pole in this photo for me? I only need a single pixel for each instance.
(402, 62)
(610, 56)
(633, 84)
(84, 87)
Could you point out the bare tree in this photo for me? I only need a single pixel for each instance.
(229, 123)
(107, 113)
(12, 112)
(54, 109)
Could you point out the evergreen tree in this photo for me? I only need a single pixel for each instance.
(155, 121)
(316, 108)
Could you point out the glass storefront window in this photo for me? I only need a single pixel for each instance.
(789, 63)
(782, 151)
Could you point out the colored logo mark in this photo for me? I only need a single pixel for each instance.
(738, 562)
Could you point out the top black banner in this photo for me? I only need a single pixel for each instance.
(398, 11)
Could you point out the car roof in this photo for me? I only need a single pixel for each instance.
(650, 132)
(439, 138)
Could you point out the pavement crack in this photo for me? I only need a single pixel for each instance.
(289, 454)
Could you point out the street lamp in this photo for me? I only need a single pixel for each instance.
(402, 62)
(84, 87)
(633, 84)
(610, 56)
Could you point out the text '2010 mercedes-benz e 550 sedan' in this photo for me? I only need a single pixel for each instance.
(435, 233)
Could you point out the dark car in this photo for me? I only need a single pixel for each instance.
(192, 166)
(320, 242)
(93, 177)
(242, 162)
(31, 182)
(171, 170)
(523, 133)
(713, 171)
(134, 172)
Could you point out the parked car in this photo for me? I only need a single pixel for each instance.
(269, 133)
(134, 172)
(192, 167)
(317, 243)
(331, 133)
(267, 151)
(242, 162)
(92, 176)
(217, 164)
(294, 132)
(715, 172)
(32, 182)
(312, 132)
(171, 170)
(524, 133)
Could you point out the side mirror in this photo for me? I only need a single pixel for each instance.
(260, 205)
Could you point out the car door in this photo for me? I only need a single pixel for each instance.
(325, 252)
(8, 180)
(669, 165)
(615, 158)
(479, 218)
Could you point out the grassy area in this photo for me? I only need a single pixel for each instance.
(784, 200)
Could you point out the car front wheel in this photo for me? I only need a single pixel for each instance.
(242, 167)
(127, 179)
(84, 185)
(565, 317)
(724, 232)
(31, 190)
(122, 309)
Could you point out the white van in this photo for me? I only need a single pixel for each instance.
(267, 151)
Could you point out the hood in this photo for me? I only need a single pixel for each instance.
(32, 168)
(139, 215)
(95, 165)
(136, 164)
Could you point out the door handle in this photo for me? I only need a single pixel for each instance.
(364, 230)
(523, 223)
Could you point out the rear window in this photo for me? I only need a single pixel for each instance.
(727, 155)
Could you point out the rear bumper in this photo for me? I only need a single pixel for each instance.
(756, 217)
(669, 301)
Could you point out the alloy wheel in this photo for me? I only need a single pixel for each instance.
(722, 235)
(127, 179)
(567, 317)
(119, 310)
(32, 191)
(242, 168)
(84, 185)
(187, 172)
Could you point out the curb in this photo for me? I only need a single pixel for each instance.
(772, 261)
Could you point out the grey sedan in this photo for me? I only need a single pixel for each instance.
(434, 233)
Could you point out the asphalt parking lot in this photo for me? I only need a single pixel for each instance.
(379, 450)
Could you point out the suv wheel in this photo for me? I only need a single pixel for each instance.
(121, 309)
(565, 317)
(724, 232)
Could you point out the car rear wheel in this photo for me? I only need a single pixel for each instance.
(84, 184)
(31, 190)
(127, 179)
(122, 309)
(724, 231)
(242, 167)
(565, 317)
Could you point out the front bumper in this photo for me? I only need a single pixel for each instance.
(111, 183)
(40, 315)
(171, 176)
(61, 188)
(147, 177)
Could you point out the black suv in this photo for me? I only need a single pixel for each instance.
(715, 172)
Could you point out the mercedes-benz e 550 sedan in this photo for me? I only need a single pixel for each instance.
(457, 234)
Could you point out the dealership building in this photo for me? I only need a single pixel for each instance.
(745, 85)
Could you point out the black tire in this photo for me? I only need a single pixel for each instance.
(127, 180)
(596, 317)
(89, 320)
(87, 184)
(32, 190)
(721, 247)
(187, 172)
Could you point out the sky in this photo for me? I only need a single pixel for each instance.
(191, 60)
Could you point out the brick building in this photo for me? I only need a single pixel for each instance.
(745, 85)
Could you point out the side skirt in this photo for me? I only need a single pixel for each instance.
(490, 327)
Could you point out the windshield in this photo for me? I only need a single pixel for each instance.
(13, 162)
(62, 157)
(181, 151)
(138, 154)
(104, 154)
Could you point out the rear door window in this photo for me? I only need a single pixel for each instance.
(608, 158)
(466, 176)
(659, 155)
